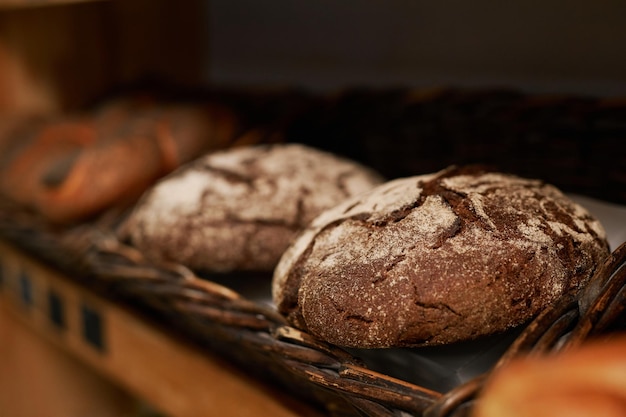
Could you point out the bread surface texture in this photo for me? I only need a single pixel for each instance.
(239, 209)
(436, 259)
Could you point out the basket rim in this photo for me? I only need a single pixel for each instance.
(212, 308)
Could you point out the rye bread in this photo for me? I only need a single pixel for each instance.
(239, 209)
(437, 259)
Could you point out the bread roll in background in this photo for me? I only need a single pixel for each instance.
(437, 259)
(238, 209)
(589, 381)
(41, 155)
(71, 168)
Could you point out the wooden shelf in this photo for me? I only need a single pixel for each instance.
(73, 53)
(12, 4)
(175, 377)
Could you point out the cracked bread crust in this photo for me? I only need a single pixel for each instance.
(238, 210)
(436, 259)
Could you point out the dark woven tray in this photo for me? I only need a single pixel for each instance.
(255, 337)
(258, 339)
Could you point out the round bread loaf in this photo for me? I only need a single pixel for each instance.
(436, 259)
(239, 209)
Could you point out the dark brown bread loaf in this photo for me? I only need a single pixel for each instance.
(436, 259)
(239, 209)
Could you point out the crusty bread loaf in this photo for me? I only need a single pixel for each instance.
(74, 167)
(39, 158)
(587, 381)
(239, 209)
(436, 259)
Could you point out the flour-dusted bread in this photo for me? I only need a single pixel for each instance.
(436, 259)
(238, 210)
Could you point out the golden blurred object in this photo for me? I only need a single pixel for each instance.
(586, 381)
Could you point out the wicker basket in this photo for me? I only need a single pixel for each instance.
(576, 143)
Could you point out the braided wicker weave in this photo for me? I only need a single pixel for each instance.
(576, 143)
